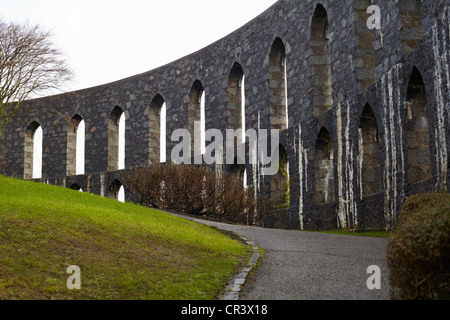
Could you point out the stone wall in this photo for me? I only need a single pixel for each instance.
(361, 129)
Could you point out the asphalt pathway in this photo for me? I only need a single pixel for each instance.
(312, 266)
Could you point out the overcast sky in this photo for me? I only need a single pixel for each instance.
(108, 40)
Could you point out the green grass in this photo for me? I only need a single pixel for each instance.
(124, 251)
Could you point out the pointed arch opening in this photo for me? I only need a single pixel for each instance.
(417, 130)
(324, 168)
(33, 151)
(116, 139)
(238, 171)
(157, 131)
(196, 116)
(81, 148)
(370, 161)
(236, 98)
(278, 86)
(76, 187)
(163, 134)
(279, 183)
(321, 62)
(116, 191)
(75, 146)
(236, 106)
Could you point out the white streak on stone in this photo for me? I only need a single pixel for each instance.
(400, 127)
(360, 161)
(301, 173)
(342, 210)
(393, 175)
(255, 164)
(326, 182)
(440, 136)
(339, 160)
(351, 204)
(387, 165)
(305, 163)
(102, 185)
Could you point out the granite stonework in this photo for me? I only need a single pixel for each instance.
(339, 156)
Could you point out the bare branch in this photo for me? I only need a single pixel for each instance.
(29, 65)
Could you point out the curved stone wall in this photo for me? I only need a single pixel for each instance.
(354, 106)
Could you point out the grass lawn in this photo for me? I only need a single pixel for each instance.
(124, 251)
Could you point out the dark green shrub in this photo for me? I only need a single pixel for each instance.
(418, 253)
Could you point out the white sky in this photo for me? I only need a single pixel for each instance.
(105, 41)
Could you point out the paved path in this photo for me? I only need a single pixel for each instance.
(312, 266)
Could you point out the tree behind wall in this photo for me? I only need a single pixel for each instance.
(29, 65)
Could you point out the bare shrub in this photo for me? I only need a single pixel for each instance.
(196, 190)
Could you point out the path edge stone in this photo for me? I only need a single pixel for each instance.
(234, 285)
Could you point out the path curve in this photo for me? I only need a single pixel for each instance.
(311, 266)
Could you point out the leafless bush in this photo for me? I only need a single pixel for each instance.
(196, 190)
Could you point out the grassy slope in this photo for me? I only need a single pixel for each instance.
(124, 251)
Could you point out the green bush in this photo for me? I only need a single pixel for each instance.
(418, 252)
